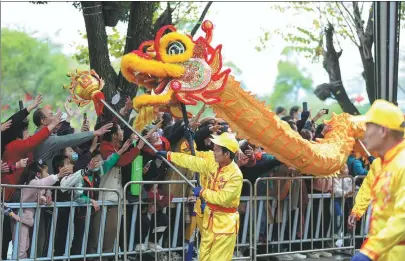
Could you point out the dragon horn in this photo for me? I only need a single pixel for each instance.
(207, 27)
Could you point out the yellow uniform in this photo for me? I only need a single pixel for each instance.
(386, 237)
(363, 197)
(221, 190)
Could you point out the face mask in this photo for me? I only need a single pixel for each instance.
(75, 156)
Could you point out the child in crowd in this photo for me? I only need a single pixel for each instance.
(89, 178)
(342, 187)
(34, 175)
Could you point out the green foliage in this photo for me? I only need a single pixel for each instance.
(289, 81)
(308, 38)
(30, 66)
(115, 42)
(185, 15)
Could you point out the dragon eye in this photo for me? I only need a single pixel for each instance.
(175, 48)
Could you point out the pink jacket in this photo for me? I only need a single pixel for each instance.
(31, 195)
(323, 184)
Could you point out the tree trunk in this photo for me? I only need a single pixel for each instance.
(139, 30)
(98, 49)
(366, 38)
(332, 67)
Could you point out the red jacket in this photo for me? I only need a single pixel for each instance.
(17, 150)
(107, 148)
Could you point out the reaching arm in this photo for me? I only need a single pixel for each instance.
(48, 181)
(393, 232)
(110, 162)
(55, 143)
(225, 196)
(194, 163)
(29, 144)
(72, 180)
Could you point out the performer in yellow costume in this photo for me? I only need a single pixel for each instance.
(384, 135)
(221, 186)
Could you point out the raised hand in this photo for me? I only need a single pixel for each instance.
(55, 122)
(215, 129)
(104, 129)
(68, 110)
(125, 147)
(94, 164)
(85, 126)
(37, 101)
(6, 125)
(65, 171)
(140, 145)
(127, 107)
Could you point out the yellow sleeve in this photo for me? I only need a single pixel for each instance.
(394, 230)
(363, 197)
(204, 154)
(190, 162)
(229, 192)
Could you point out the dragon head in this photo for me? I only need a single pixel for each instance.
(175, 69)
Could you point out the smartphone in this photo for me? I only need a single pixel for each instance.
(84, 117)
(326, 111)
(305, 106)
(20, 103)
(147, 165)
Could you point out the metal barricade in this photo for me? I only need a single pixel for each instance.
(37, 210)
(170, 244)
(289, 214)
(256, 232)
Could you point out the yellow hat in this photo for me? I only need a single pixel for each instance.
(385, 114)
(226, 140)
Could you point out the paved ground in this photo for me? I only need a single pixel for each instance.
(334, 258)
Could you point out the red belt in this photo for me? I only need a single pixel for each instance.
(221, 209)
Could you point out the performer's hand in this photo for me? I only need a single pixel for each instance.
(162, 153)
(360, 257)
(351, 222)
(371, 159)
(197, 191)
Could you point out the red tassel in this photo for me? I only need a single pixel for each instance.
(98, 105)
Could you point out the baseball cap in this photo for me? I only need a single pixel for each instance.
(226, 140)
(385, 114)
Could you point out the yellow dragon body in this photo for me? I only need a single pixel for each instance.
(177, 70)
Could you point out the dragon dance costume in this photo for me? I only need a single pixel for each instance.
(384, 186)
(177, 69)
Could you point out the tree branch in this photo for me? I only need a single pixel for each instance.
(203, 14)
(139, 30)
(164, 19)
(348, 12)
(369, 34)
(98, 49)
(348, 25)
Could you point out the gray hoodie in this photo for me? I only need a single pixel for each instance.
(48, 149)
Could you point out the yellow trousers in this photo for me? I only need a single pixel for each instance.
(218, 247)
